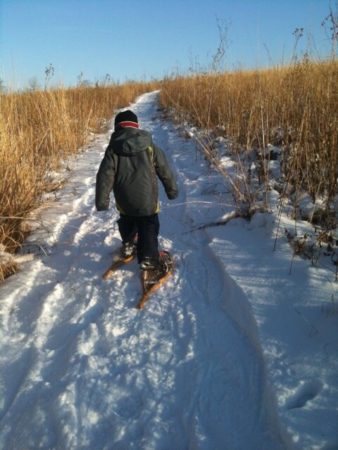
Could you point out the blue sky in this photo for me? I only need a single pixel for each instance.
(144, 39)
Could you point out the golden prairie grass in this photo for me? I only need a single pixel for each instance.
(37, 130)
(293, 107)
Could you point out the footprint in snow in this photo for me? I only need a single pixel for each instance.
(305, 393)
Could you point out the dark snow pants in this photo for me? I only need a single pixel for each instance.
(146, 228)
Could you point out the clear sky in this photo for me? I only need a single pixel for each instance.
(144, 39)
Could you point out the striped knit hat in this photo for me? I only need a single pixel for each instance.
(126, 119)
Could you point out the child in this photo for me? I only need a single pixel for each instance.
(130, 168)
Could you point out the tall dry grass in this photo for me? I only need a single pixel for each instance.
(292, 107)
(37, 130)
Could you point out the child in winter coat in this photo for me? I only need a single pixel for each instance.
(130, 167)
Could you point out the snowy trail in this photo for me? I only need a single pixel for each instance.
(81, 368)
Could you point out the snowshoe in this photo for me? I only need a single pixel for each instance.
(118, 261)
(154, 274)
(126, 255)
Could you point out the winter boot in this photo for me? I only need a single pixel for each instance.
(128, 250)
(149, 263)
(159, 267)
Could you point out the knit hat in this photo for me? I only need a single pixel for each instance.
(126, 119)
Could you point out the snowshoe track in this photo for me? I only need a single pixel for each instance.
(92, 372)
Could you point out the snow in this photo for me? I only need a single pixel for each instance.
(237, 351)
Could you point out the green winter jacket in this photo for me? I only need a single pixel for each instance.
(130, 168)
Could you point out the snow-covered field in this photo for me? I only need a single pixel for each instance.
(235, 352)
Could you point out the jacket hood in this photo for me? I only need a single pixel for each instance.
(129, 141)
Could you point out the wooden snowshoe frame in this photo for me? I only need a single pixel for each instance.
(118, 261)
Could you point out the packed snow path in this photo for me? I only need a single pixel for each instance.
(82, 368)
